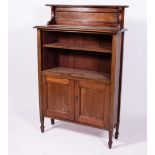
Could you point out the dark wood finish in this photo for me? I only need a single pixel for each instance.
(80, 60)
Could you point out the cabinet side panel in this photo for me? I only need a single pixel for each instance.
(44, 95)
(120, 77)
(115, 73)
(39, 70)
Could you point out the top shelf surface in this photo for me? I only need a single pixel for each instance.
(82, 29)
(78, 74)
(98, 6)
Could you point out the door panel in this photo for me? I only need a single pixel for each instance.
(88, 98)
(58, 97)
(92, 103)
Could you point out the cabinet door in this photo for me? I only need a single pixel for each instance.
(58, 97)
(92, 103)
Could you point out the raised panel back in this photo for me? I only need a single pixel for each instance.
(87, 16)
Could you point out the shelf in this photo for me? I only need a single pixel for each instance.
(81, 29)
(89, 6)
(78, 74)
(105, 49)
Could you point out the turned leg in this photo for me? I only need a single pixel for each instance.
(117, 131)
(52, 121)
(42, 124)
(110, 138)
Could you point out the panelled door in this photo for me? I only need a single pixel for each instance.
(58, 97)
(92, 103)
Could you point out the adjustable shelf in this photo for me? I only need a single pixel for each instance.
(78, 74)
(105, 48)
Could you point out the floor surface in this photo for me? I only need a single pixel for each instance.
(66, 138)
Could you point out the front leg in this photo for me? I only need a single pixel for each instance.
(42, 127)
(110, 138)
(52, 121)
(117, 131)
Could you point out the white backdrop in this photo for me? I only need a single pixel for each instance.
(23, 85)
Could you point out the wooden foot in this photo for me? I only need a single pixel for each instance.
(116, 135)
(110, 144)
(52, 121)
(42, 127)
(117, 131)
(110, 138)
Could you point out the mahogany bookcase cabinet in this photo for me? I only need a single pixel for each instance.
(80, 55)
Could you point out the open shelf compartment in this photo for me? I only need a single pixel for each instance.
(76, 41)
(76, 64)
